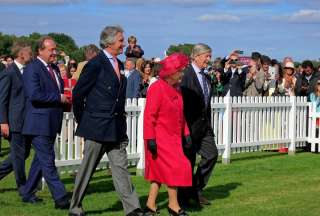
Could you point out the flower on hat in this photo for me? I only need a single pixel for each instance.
(172, 64)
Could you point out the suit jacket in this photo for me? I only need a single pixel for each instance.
(302, 81)
(133, 84)
(44, 111)
(99, 102)
(254, 86)
(12, 98)
(235, 83)
(197, 113)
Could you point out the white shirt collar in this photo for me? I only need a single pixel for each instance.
(45, 63)
(196, 68)
(109, 56)
(19, 65)
(309, 77)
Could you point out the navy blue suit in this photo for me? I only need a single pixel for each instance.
(133, 84)
(12, 110)
(43, 121)
(99, 102)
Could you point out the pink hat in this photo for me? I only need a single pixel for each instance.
(172, 64)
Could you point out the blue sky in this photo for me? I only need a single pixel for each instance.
(277, 28)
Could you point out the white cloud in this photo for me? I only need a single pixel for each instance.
(37, 1)
(253, 2)
(302, 16)
(219, 17)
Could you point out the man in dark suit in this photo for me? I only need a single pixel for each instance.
(44, 113)
(233, 78)
(99, 109)
(307, 81)
(133, 79)
(196, 93)
(12, 109)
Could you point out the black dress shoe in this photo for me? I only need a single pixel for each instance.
(63, 203)
(149, 212)
(32, 200)
(136, 212)
(181, 212)
(203, 200)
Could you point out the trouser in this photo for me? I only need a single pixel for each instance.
(208, 151)
(117, 155)
(43, 165)
(19, 152)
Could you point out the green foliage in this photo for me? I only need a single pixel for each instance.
(78, 54)
(64, 43)
(6, 42)
(184, 48)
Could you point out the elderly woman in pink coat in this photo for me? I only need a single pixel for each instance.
(164, 131)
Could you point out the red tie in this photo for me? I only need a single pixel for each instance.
(116, 67)
(52, 74)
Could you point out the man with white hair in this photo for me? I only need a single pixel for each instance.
(99, 108)
(197, 92)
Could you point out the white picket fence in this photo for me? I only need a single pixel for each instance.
(242, 124)
(314, 135)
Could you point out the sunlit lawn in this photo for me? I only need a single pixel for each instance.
(264, 183)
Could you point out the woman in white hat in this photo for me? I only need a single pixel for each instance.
(288, 83)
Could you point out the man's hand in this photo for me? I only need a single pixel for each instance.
(5, 130)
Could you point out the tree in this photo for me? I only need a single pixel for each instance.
(64, 42)
(184, 48)
(6, 42)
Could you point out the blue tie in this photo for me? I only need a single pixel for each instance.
(205, 88)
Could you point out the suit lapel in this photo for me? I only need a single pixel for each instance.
(47, 75)
(108, 67)
(197, 85)
(17, 71)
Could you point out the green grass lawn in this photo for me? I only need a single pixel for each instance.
(263, 183)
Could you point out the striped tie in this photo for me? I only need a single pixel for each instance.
(205, 88)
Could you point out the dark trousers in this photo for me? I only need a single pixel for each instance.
(43, 164)
(19, 152)
(208, 151)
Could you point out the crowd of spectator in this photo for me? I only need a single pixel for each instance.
(233, 75)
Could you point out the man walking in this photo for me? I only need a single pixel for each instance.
(99, 102)
(196, 92)
(44, 113)
(12, 111)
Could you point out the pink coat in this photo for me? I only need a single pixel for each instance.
(164, 121)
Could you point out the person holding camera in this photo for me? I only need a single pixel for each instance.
(234, 77)
(133, 50)
(307, 81)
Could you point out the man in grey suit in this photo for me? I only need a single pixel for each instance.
(99, 109)
(12, 110)
(133, 79)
